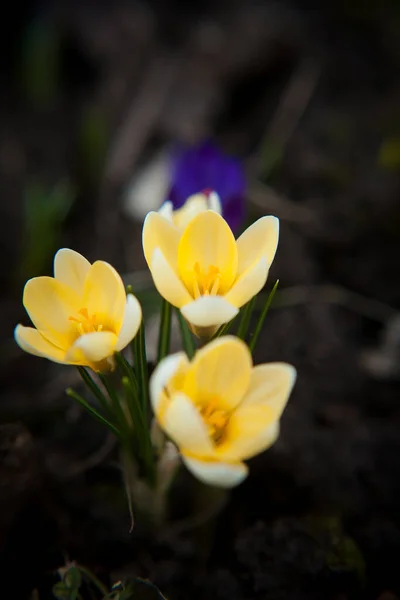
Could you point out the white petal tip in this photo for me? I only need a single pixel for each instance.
(219, 474)
(208, 311)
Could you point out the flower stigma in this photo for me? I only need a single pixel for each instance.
(205, 284)
(86, 323)
(215, 420)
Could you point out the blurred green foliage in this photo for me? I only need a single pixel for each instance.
(77, 579)
(389, 154)
(93, 142)
(45, 211)
(340, 550)
(40, 63)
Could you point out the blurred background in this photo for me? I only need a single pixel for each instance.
(97, 99)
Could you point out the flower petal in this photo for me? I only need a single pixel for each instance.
(104, 296)
(209, 311)
(183, 423)
(270, 385)
(250, 430)
(93, 347)
(260, 239)
(167, 281)
(159, 232)
(208, 242)
(163, 374)
(248, 284)
(193, 206)
(131, 322)
(49, 304)
(214, 202)
(220, 373)
(166, 210)
(71, 268)
(218, 473)
(30, 340)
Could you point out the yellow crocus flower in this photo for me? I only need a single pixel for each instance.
(203, 270)
(193, 206)
(82, 315)
(218, 409)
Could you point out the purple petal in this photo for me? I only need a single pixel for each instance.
(205, 166)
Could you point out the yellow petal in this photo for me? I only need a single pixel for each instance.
(184, 425)
(159, 232)
(93, 347)
(130, 323)
(270, 385)
(104, 296)
(220, 373)
(32, 341)
(71, 268)
(164, 372)
(49, 304)
(260, 239)
(250, 430)
(167, 281)
(248, 284)
(208, 242)
(209, 311)
(218, 473)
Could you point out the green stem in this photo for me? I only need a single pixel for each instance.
(224, 329)
(94, 388)
(128, 370)
(116, 404)
(92, 411)
(164, 336)
(100, 586)
(245, 319)
(141, 430)
(186, 336)
(261, 319)
(140, 364)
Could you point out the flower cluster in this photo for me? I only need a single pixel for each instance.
(216, 407)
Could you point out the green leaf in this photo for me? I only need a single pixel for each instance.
(141, 370)
(141, 439)
(117, 408)
(92, 411)
(96, 391)
(63, 592)
(246, 313)
(73, 578)
(261, 319)
(164, 336)
(186, 335)
(137, 589)
(224, 329)
(93, 579)
(127, 370)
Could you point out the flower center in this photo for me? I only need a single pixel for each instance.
(86, 323)
(205, 283)
(216, 421)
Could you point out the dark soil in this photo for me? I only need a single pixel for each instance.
(319, 517)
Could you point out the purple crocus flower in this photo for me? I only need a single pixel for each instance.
(206, 167)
